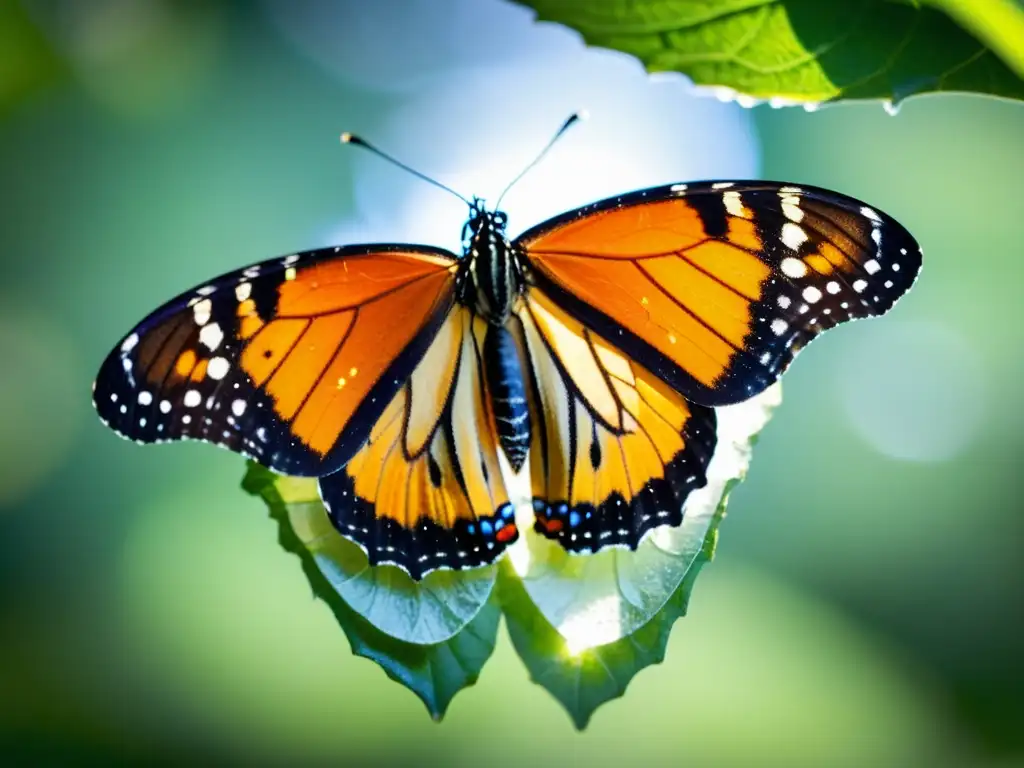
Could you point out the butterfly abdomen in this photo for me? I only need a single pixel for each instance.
(507, 389)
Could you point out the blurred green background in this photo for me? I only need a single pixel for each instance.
(865, 603)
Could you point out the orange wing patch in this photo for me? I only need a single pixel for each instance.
(334, 371)
(635, 232)
(426, 491)
(289, 361)
(616, 451)
(654, 270)
(716, 287)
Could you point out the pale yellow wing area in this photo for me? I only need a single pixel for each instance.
(615, 451)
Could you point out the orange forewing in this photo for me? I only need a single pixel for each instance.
(653, 270)
(716, 286)
(339, 326)
(289, 361)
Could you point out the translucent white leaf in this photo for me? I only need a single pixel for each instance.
(597, 599)
(424, 612)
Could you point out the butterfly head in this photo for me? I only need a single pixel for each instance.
(493, 272)
(482, 224)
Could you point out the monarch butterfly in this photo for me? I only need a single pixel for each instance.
(590, 350)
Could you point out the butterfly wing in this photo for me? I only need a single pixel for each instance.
(426, 490)
(715, 287)
(616, 451)
(290, 361)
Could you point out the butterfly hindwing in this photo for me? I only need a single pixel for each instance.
(715, 287)
(290, 361)
(616, 452)
(426, 491)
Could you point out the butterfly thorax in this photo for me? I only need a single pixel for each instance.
(492, 282)
(494, 277)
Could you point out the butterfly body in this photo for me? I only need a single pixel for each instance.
(506, 385)
(492, 275)
(590, 351)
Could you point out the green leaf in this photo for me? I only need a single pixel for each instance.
(584, 680)
(601, 598)
(435, 672)
(426, 612)
(811, 50)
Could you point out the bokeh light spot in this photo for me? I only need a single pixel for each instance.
(140, 58)
(913, 391)
(476, 131)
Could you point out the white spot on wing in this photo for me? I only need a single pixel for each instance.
(811, 294)
(129, 344)
(871, 266)
(243, 291)
(238, 407)
(779, 326)
(165, 406)
(793, 267)
(678, 188)
(793, 235)
(734, 204)
(721, 185)
(211, 335)
(784, 302)
(870, 213)
(860, 285)
(145, 398)
(202, 310)
(192, 399)
(218, 368)
(832, 287)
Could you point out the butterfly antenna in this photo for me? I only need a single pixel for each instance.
(350, 138)
(574, 118)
